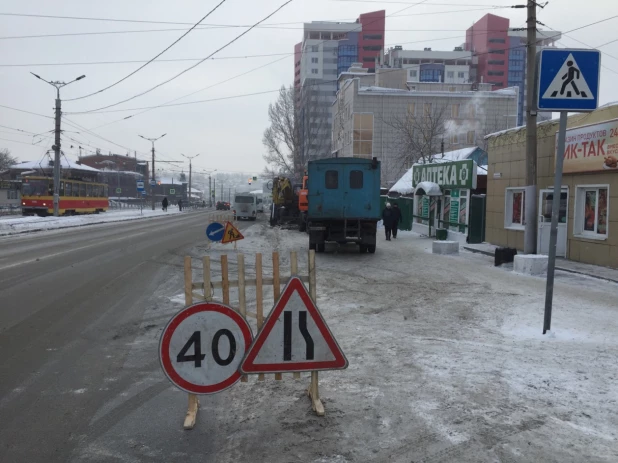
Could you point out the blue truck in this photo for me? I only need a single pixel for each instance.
(344, 202)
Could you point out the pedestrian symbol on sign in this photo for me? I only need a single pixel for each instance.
(569, 82)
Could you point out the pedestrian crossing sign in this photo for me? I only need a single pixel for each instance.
(231, 234)
(568, 79)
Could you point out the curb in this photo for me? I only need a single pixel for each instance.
(576, 272)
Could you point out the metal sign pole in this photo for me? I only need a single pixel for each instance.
(555, 211)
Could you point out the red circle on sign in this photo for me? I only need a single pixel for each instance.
(166, 337)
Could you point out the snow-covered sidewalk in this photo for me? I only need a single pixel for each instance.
(20, 224)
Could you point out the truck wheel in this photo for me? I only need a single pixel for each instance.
(362, 248)
(321, 247)
(371, 248)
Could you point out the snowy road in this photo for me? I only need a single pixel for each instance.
(447, 364)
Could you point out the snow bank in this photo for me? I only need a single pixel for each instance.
(13, 225)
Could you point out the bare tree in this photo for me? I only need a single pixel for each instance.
(282, 138)
(6, 160)
(418, 137)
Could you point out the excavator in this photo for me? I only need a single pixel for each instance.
(290, 202)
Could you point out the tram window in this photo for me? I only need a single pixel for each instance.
(76, 189)
(67, 189)
(88, 190)
(61, 188)
(82, 190)
(105, 191)
(95, 191)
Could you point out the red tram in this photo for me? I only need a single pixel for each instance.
(76, 197)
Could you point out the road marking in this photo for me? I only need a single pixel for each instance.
(38, 259)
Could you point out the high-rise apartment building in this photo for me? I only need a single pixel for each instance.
(327, 49)
(500, 54)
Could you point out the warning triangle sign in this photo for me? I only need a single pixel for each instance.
(231, 234)
(569, 83)
(294, 337)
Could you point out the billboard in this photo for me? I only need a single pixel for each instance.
(592, 148)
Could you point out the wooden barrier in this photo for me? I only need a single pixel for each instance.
(209, 289)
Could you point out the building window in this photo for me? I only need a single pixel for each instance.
(427, 109)
(450, 74)
(455, 110)
(497, 41)
(497, 84)
(495, 73)
(315, 48)
(314, 60)
(11, 194)
(497, 51)
(356, 179)
(470, 137)
(591, 204)
(372, 37)
(314, 71)
(363, 135)
(413, 73)
(454, 139)
(372, 47)
(514, 216)
(332, 180)
(368, 59)
(461, 74)
(411, 109)
(498, 62)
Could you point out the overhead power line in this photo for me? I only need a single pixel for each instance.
(152, 59)
(198, 63)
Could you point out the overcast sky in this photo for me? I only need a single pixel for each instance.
(226, 133)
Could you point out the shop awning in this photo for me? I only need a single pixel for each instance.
(428, 189)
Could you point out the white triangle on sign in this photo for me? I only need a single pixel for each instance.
(569, 83)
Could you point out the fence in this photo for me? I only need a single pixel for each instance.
(210, 289)
(10, 209)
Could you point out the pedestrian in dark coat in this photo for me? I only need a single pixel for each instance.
(180, 204)
(388, 219)
(397, 213)
(164, 203)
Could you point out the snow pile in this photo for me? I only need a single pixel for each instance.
(13, 225)
(403, 186)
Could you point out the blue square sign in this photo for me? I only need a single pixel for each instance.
(568, 79)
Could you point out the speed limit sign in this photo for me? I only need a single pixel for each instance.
(202, 346)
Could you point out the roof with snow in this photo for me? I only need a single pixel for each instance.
(44, 164)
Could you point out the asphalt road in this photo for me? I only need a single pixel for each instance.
(71, 303)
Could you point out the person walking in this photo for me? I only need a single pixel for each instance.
(180, 205)
(397, 214)
(164, 203)
(388, 219)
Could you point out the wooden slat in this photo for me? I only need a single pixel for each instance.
(276, 290)
(206, 283)
(225, 282)
(242, 297)
(188, 279)
(259, 298)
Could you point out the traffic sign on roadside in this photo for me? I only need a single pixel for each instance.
(172, 191)
(568, 79)
(202, 346)
(140, 185)
(231, 234)
(153, 182)
(214, 231)
(118, 190)
(294, 337)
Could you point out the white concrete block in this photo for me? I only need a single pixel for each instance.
(445, 247)
(530, 264)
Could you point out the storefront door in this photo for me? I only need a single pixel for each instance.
(546, 198)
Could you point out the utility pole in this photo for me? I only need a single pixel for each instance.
(58, 114)
(190, 158)
(209, 192)
(530, 200)
(153, 140)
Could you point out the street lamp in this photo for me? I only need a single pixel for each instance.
(57, 85)
(190, 158)
(209, 172)
(153, 140)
